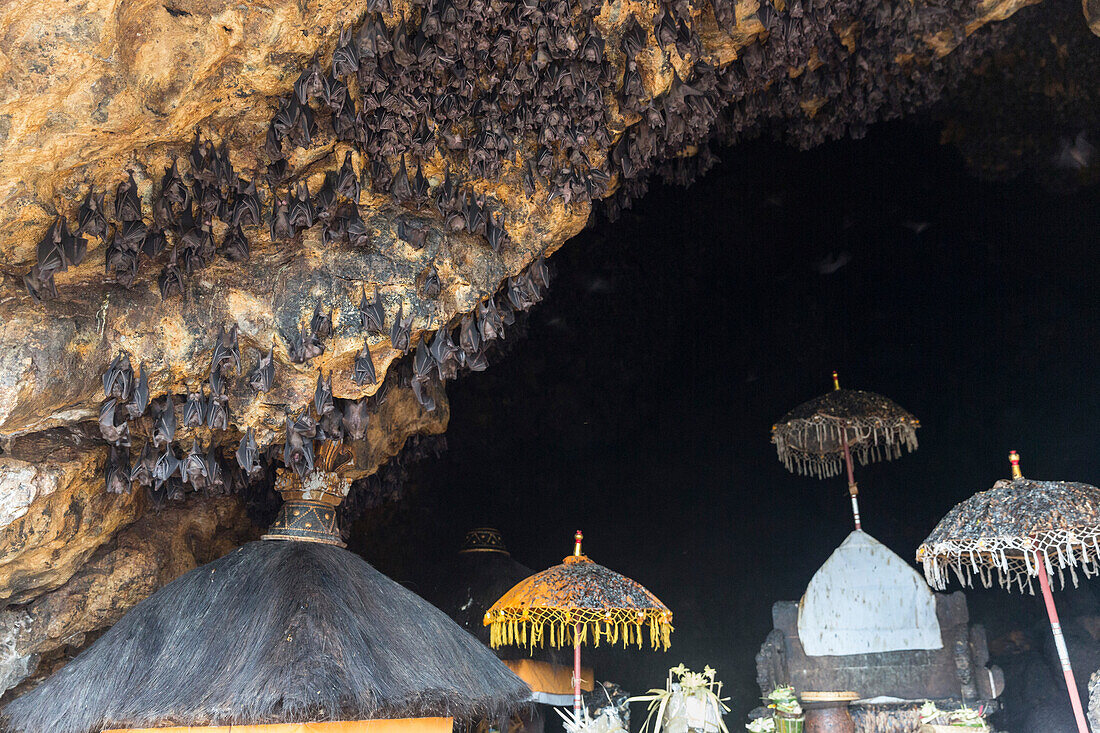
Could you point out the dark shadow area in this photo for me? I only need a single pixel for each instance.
(638, 407)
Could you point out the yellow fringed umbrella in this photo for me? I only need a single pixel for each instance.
(572, 601)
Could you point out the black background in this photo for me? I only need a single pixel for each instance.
(638, 407)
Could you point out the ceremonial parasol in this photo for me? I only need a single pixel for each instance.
(568, 602)
(816, 437)
(1013, 531)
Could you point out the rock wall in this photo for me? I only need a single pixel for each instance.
(520, 117)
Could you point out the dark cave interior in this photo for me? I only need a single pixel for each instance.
(638, 405)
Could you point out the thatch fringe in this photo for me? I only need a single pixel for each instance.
(994, 536)
(810, 438)
(274, 632)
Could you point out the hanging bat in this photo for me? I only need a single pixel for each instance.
(235, 245)
(164, 422)
(347, 180)
(304, 424)
(430, 286)
(193, 467)
(400, 188)
(118, 380)
(371, 313)
(356, 229)
(142, 471)
(345, 59)
(136, 407)
(127, 203)
(217, 412)
(420, 392)
(302, 213)
(170, 280)
(322, 396)
(489, 321)
(263, 375)
(167, 466)
(114, 433)
(155, 242)
(443, 352)
(477, 362)
(117, 473)
(193, 413)
(401, 331)
(248, 454)
(51, 251)
(423, 361)
(414, 233)
(309, 84)
(246, 207)
(364, 367)
(226, 351)
(296, 345)
(419, 185)
(494, 231)
(356, 417)
(281, 227)
(297, 452)
(320, 325)
(326, 198)
(91, 218)
(331, 426)
(469, 338)
(214, 477)
(540, 273)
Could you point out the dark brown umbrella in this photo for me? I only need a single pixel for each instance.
(818, 437)
(1018, 530)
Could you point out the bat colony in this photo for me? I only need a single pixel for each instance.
(205, 408)
(489, 81)
(483, 82)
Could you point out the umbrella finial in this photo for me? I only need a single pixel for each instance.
(1014, 459)
(836, 380)
(577, 543)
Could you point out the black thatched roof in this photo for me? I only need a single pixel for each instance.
(274, 632)
(472, 583)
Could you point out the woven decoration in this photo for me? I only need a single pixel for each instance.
(995, 534)
(484, 539)
(546, 608)
(810, 438)
(308, 513)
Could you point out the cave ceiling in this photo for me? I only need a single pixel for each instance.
(258, 208)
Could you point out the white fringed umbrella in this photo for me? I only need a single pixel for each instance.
(1017, 531)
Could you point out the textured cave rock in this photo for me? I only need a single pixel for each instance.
(615, 93)
(148, 554)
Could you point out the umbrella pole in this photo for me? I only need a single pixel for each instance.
(577, 673)
(853, 490)
(1060, 643)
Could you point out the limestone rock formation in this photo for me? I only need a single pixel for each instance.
(477, 134)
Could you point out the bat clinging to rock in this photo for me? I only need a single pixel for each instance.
(164, 422)
(114, 433)
(371, 313)
(401, 331)
(364, 367)
(118, 380)
(263, 375)
(136, 407)
(355, 419)
(322, 396)
(248, 454)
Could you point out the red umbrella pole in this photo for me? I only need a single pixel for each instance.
(853, 490)
(577, 537)
(577, 673)
(1060, 643)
